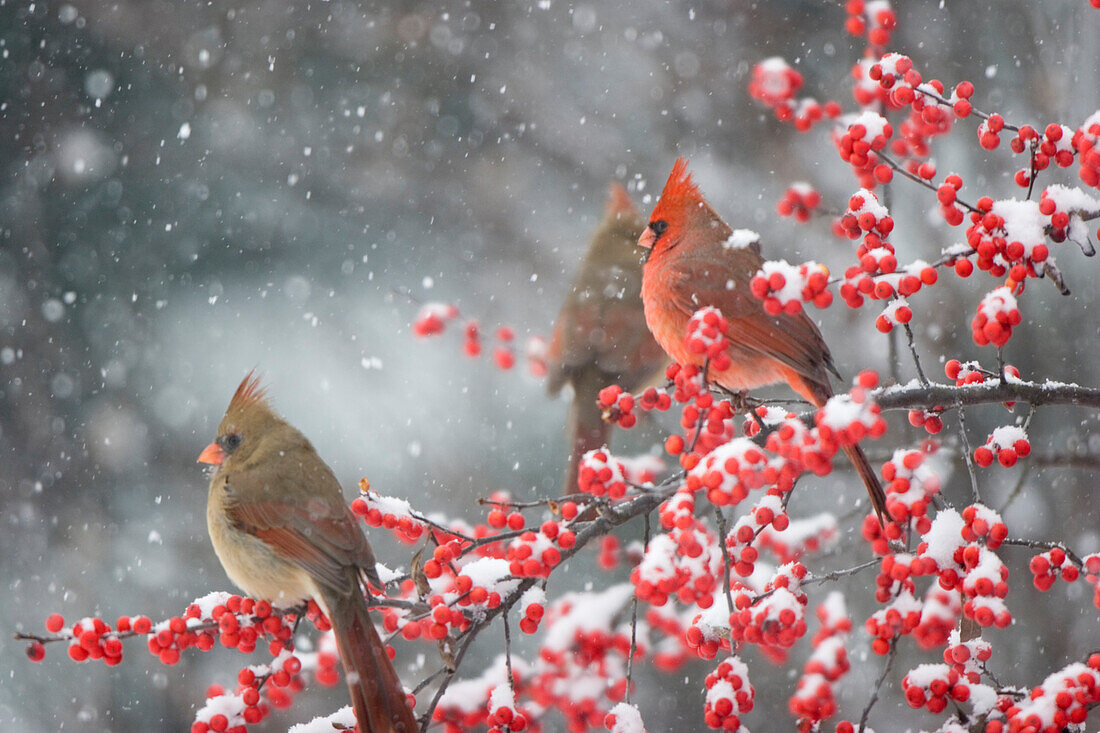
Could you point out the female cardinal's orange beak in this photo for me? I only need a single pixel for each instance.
(213, 454)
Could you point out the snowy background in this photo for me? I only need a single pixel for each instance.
(189, 190)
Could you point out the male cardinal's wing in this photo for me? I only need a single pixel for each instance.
(722, 281)
(319, 534)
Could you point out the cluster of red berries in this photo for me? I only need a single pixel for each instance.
(947, 194)
(1046, 567)
(932, 686)
(814, 698)
(532, 604)
(729, 695)
(768, 512)
(684, 563)
(857, 144)
(866, 214)
(982, 523)
(910, 485)
(91, 638)
(800, 201)
(1063, 700)
(1007, 444)
(901, 617)
(1063, 205)
(873, 18)
(774, 84)
(601, 474)
(1084, 140)
(618, 406)
(939, 615)
(1007, 237)
(848, 418)
(503, 713)
(995, 318)
(536, 554)
(784, 287)
(967, 657)
(896, 313)
(729, 472)
(433, 318)
(931, 420)
(387, 512)
(777, 620)
(984, 587)
(705, 336)
(971, 372)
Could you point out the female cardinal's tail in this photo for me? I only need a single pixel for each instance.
(376, 693)
(870, 479)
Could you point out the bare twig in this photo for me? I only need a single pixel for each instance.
(723, 528)
(975, 494)
(916, 357)
(634, 623)
(890, 656)
(837, 574)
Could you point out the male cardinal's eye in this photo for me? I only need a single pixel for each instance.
(232, 441)
(658, 227)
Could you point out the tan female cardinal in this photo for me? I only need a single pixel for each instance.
(280, 526)
(600, 337)
(693, 263)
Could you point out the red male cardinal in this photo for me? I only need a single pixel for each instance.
(693, 263)
(601, 336)
(280, 526)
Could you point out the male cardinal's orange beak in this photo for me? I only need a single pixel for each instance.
(648, 238)
(213, 453)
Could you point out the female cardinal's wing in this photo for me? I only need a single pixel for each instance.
(722, 280)
(314, 530)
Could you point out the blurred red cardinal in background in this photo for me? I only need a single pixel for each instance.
(283, 532)
(601, 336)
(694, 263)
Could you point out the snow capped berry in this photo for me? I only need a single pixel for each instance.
(800, 201)
(1006, 444)
(706, 335)
(729, 695)
(624, 718)
(433, 317)
(995, 318)
(898, 312)
(601, 474)
(783, 287)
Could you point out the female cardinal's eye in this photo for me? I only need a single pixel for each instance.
(232, 441)
(658, 227)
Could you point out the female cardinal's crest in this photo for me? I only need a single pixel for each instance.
(248, 393)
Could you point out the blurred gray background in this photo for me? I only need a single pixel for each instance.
(189, 190)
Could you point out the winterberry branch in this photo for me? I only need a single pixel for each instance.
(890, 656)
(1045, 545)
(914, 396)
(838, 574)
(975, 494)
(916, 357)
(727, 562)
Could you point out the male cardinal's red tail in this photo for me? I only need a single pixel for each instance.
(376, 692)
(870, 479)
(587, 428)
